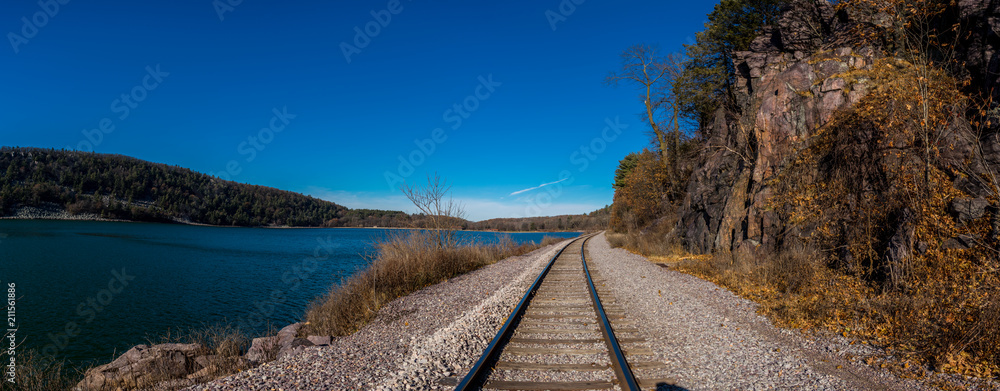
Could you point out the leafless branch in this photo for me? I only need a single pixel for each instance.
(443, 214)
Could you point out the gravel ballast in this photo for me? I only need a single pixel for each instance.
(711, 339)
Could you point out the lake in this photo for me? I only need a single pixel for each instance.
(89, 290)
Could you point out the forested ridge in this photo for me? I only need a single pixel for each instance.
(121, 187)
(126, 188)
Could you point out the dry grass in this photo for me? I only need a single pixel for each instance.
(227, 343)
(550, 240)
(404, 263)
(795, 288)
(650, 242)
(927, 327)
(37, 372)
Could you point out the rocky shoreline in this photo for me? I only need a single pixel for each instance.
(50, 211)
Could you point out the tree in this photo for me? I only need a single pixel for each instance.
(441, 214)
(708, 75)
(625, 167)
(656, 75)
(639, 200)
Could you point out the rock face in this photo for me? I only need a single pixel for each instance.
(966, 209)
(790, 83)
(981, 48)
(790, 96)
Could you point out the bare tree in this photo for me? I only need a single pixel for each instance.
(442, 214)
(656, 74)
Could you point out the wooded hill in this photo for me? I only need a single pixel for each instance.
(125, 188)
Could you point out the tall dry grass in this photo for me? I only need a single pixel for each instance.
(227, 343)
(650, 242)
(924, 328)
(794, 288)
(404, 263)
(35, 371)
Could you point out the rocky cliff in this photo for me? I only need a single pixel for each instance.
(791, 83)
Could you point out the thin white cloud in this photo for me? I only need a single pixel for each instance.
(480, 209)
(535, 188)
(477, 209)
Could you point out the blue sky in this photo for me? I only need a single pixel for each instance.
(288, 95)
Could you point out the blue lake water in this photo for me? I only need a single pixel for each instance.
(90, 290)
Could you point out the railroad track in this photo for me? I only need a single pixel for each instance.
(566, 333)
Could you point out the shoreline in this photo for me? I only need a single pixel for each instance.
(58, 214)
(51, 212)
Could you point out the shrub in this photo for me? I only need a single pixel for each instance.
(36, 372)
(875, 188)
(640, 198)
(404, 263)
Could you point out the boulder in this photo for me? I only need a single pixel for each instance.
(288, 340)
(144, 365)
(967, 209)
(295, 347)
(263, 349)
(285, 342)
(961, 242)
(320, 341)
(288, 333)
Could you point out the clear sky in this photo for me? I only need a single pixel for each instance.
(287, 94)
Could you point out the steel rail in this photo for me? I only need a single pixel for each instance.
(476, 376)
(622, 370)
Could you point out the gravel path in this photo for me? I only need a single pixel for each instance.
(711, 339)
(414, 341)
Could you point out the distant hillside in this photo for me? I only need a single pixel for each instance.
(596, 220)
(120, 187)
